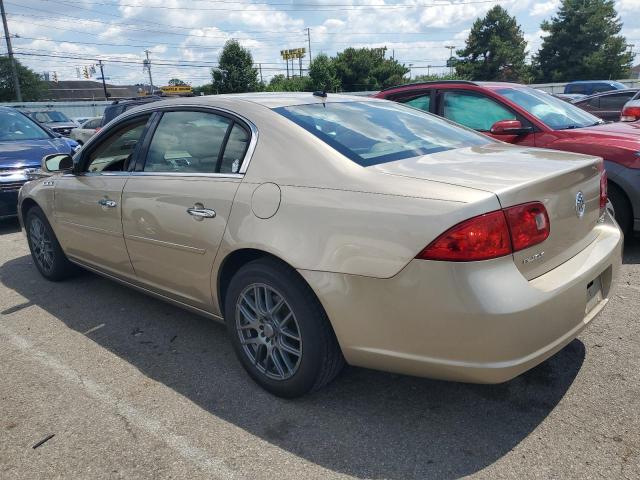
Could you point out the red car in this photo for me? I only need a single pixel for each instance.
(519, 114)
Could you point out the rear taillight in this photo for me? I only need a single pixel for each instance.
(97, 130)
(528, 225)
(491, 235)
(603, 190)
(630, 114)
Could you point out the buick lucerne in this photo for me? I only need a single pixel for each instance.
(331, 229)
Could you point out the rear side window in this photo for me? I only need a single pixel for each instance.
(423, 102)
(615, 101)
(196, 142)
(371, 133)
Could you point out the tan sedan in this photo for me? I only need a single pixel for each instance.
(332, 229)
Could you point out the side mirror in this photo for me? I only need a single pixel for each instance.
(57, 162)
(509, 127)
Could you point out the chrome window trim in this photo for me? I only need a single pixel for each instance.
(186, 174)
(193, 106)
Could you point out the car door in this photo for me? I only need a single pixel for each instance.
(176, 204)
(87, 205)
(479, 112)
(611, 105)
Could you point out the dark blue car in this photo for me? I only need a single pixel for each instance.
(23, 143)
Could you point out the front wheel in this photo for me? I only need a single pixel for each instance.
(46, 252)
(622, 208)
(279, 330)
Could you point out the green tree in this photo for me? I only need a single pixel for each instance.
(176, 82)
(31, 84)
(583, 43)
(367, 69)
(235, 73)
(280, 83)
(495, 49)
(322, 74)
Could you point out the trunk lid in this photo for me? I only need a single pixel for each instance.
(519, 175)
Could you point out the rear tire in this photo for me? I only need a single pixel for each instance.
(279, 330)
(622, 207)
(46, 252)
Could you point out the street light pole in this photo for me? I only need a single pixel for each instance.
(12, 61)
(148, 65)
(450, 47)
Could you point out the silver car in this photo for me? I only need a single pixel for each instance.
(87, 130)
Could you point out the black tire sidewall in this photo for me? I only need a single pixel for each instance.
(308, 315)
(622, 208)
(61, 267)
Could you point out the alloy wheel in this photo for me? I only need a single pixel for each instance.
(268, 331)
(41, 244)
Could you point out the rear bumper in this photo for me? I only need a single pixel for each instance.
(474, 322)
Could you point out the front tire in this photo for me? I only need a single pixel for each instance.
(622, 207)
(279, 330)
(46, 252)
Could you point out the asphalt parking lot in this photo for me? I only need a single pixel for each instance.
(131, 387)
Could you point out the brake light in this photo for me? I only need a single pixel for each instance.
(491, 235)
(603, 190)
(97, 129)
(528, 225)
(630, 114)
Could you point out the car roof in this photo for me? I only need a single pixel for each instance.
(611, 92)
(490, 85)
(266, 99)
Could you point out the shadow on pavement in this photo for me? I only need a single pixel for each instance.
(366, 423)
(9, 225)
(631, 253)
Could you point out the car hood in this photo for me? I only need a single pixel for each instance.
(493, 167)
(29, 153)
(618, 131)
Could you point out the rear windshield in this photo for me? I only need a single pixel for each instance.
(51, 117)
(370, 133)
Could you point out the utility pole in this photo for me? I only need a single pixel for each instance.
(309, 41)
(260, 68)
(148, 66)
(104, 85)
(14, 69)
(300, 62)
(287, 60)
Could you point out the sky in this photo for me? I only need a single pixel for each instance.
(185, 37)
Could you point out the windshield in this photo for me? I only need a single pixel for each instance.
(51, 117)
(370, 133)
(554, 112)
(15, 126)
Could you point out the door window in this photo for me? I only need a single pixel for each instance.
(615, 101)
(423, 102)
(196, 142)
(92, 124)
(115, 152)
(474, 111)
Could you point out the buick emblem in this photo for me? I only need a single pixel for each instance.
(580, 205)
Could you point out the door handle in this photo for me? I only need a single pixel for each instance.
(200, 213)
(104, 202)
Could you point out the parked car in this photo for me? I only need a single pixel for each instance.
(54, 120)
(23, 142)
(631, 110)
(87, 130)
(569, 97)
(607, 105)
(589, 87)
(518, 114)
(354, 229)
(120, 106)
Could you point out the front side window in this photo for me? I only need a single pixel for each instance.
(370, 132)
(552, 111)
(474, 111)
(16, 126)
(114, 154)
(196, 142)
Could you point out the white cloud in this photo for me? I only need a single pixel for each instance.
(544, 8)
